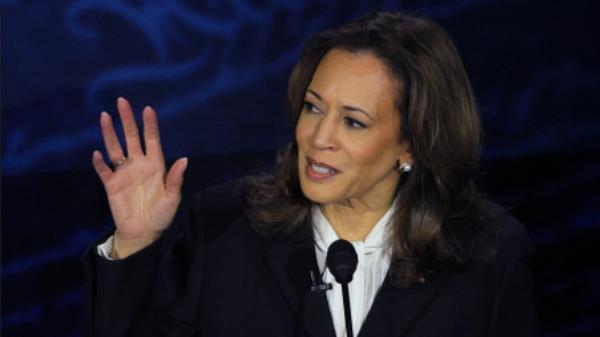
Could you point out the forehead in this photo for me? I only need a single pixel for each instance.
(358, 78)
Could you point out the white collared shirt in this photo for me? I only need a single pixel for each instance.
(373, 263)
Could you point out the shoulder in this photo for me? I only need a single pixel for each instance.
(223, 200)
(496, 284)
(218, 206)
(510, 233)
(509, 274)
(489, 231)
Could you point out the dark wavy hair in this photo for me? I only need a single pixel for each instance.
(440, 120)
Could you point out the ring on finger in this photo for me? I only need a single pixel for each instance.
(120, 162)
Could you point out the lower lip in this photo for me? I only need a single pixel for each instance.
(317, 176)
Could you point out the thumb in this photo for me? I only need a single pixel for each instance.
(174, 178)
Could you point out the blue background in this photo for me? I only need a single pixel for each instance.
(217, 71)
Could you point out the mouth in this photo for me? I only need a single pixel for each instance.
(319, 171)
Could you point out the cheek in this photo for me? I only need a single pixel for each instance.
(360, 154)
(366, 152)
(373, 155)
(302, 132)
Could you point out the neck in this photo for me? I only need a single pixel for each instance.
(354, 220)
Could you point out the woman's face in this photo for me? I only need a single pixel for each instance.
(348, 132)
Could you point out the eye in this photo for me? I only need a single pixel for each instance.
(353, 123)
(311, 108)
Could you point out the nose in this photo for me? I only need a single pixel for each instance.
(324, 135)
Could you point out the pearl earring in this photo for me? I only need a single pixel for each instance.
(402, 168)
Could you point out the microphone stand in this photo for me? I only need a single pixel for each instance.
(347, 315)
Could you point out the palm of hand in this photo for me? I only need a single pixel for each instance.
(143, 197)
(138, 198)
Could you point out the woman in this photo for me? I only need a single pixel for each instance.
(385, 155)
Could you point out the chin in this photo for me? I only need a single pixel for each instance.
(319, 194)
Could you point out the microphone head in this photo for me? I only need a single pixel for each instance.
(341, 260)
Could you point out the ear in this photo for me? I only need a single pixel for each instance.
(405, 155)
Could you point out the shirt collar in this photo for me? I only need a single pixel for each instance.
(325, 235)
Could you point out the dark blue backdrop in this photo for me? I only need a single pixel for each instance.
(216, 71)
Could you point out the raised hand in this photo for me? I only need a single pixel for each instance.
(142, 195)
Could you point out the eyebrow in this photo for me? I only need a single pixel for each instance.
(346, 107)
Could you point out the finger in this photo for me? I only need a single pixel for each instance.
(103, 171)
(174, 178)
(132, 137)
(111, 142)
(152, 134)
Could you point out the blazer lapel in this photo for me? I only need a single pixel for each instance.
(291, 262)
(395, 310)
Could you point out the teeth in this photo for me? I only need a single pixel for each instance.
(321, 169)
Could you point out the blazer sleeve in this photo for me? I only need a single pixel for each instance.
(153, 292)
(514, 311)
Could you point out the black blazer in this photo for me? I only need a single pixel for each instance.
(214, 276)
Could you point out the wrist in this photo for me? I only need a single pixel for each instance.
(125, 246)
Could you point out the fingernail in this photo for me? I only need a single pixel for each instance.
(185, 162)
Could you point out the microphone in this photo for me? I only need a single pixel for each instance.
(317, 285)
(341, 261)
